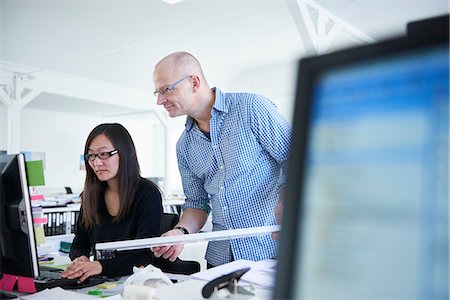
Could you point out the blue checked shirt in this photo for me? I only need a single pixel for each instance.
(237, 173)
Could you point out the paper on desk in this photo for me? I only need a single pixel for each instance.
(218, 271)
(57, 293)
(45, 250)
(261, 273)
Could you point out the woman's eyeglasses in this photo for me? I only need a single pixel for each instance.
(101, 155)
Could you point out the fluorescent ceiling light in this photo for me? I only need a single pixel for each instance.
(172, 1)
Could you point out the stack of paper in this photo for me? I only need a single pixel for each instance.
(261, 273)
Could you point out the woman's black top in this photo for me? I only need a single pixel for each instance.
(143, 221)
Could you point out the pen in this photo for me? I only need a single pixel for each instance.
(46, 259)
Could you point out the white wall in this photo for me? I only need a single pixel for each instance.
(275, 81)
(141, 127)
(62, 137)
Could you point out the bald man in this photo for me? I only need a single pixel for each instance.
(230, 156)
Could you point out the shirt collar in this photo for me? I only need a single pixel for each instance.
(219, 105)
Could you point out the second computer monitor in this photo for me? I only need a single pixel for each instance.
(366, 214)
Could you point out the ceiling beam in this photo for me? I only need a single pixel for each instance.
(5, 98)
(29, 97)
(78, 87)
(312, 21)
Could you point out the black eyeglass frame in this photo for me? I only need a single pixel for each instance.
(102, 155)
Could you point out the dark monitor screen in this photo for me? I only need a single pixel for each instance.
(366, 211)
(17, 240)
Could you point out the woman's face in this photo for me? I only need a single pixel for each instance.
(106, 161)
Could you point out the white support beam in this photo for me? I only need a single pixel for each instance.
(78, 87)
(4, 98)
(313, 31)
(14, 105)
(304, 24)
(321, 36)
(163, 120)
(18, 88)
(13, 121)
(332, 34)
(29, 97)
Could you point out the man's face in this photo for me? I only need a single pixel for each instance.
(171, 92)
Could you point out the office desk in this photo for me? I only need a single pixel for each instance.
(189, 289)
(192, 289)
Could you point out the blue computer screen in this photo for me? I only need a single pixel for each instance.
(375, 212)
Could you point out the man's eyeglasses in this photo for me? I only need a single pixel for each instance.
(167, 90)
(101, 155)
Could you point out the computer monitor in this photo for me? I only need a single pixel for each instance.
(17, 240)
(366, 210)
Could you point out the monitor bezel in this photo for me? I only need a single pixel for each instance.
(309, 70)
(26, 219)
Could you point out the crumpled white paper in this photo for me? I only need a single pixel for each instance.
(143, 283)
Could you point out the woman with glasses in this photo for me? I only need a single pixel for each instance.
(116, 204)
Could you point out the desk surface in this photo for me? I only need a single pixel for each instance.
(188, 289)
(192, 289)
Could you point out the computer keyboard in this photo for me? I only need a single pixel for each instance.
(51, 278)
(54, 280)
(48, 275)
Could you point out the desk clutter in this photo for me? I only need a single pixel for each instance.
(260, 273)
(60, 220)
(223, 282)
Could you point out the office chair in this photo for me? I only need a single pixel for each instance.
(185, 267)
(168, 221)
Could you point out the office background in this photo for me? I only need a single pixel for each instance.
(66, 66)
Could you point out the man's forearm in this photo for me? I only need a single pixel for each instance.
(192, 219)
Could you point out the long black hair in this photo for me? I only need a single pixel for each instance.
(128, 174)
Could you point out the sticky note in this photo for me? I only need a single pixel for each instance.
(39, 234)
(96, 292)
(106, 285)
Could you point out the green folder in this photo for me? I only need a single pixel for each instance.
(35, 172)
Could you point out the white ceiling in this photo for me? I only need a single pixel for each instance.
(119, 42)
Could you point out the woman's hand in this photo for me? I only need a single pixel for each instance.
(82, 268)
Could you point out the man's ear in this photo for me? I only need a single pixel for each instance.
(196, 82)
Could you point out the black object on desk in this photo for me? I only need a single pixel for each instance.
(51, 277)
(225, 281)
(7, 295)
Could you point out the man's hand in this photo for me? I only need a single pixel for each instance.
(169, 252)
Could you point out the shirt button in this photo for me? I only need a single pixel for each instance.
(225, 207)
(221, 167)
(221, 187)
